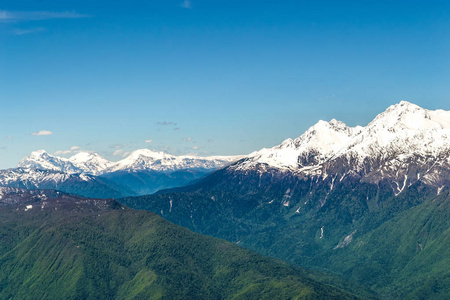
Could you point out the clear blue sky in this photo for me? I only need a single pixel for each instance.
(209, 77)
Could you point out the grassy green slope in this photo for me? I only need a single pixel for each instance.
(128, 254)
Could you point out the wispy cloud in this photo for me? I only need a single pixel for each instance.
(62, 152)
(195, 148)
(148, 141)
(42, 132)
(120, 152)
(20, 31)
(117, 152)
(166, 123)
(186, 4)
(18, 16)
(73, 149)
(117, 146)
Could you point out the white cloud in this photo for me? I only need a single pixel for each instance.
(61, 152)
(166, 123)
(17, 16)
(186, 4)
(187, 139)
(73, 149)
(195, 147)
(148, 141)
(117, 152)
(43, 132)
(27, 31)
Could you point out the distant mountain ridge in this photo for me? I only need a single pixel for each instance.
(142, 172)
(139, 160)
(80, 184)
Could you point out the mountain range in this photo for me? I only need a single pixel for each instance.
(89, 174)
(139, 160)
(369, 203)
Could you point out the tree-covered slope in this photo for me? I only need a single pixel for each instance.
(306, 222)
(75, 248)
(407, 257)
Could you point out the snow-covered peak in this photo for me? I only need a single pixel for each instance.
(90, 162)
(42, 160)
(326, 137)
(315, 145)
(403, 128)
(142, 159)
(145, 159)
(410, 116)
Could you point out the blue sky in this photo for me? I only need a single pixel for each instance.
(209, 77)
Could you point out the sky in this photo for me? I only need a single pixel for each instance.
(222, 77)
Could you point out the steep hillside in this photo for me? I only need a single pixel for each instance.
(68, 247)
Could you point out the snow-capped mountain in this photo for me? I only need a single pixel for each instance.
(145, 159)
(142, 172)
(44, 161)
(405, 143)
(80, 184)
(90, 163)
(316, 145)
(82, 162)
(139, 160)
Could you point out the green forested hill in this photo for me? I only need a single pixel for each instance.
(75, 248)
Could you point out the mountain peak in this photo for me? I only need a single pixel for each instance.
(90, 162)
(42, 160)
(406, 115)
(38, 153)
(85, 156)
(325, 137)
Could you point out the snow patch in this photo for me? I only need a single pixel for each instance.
(347, 240)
